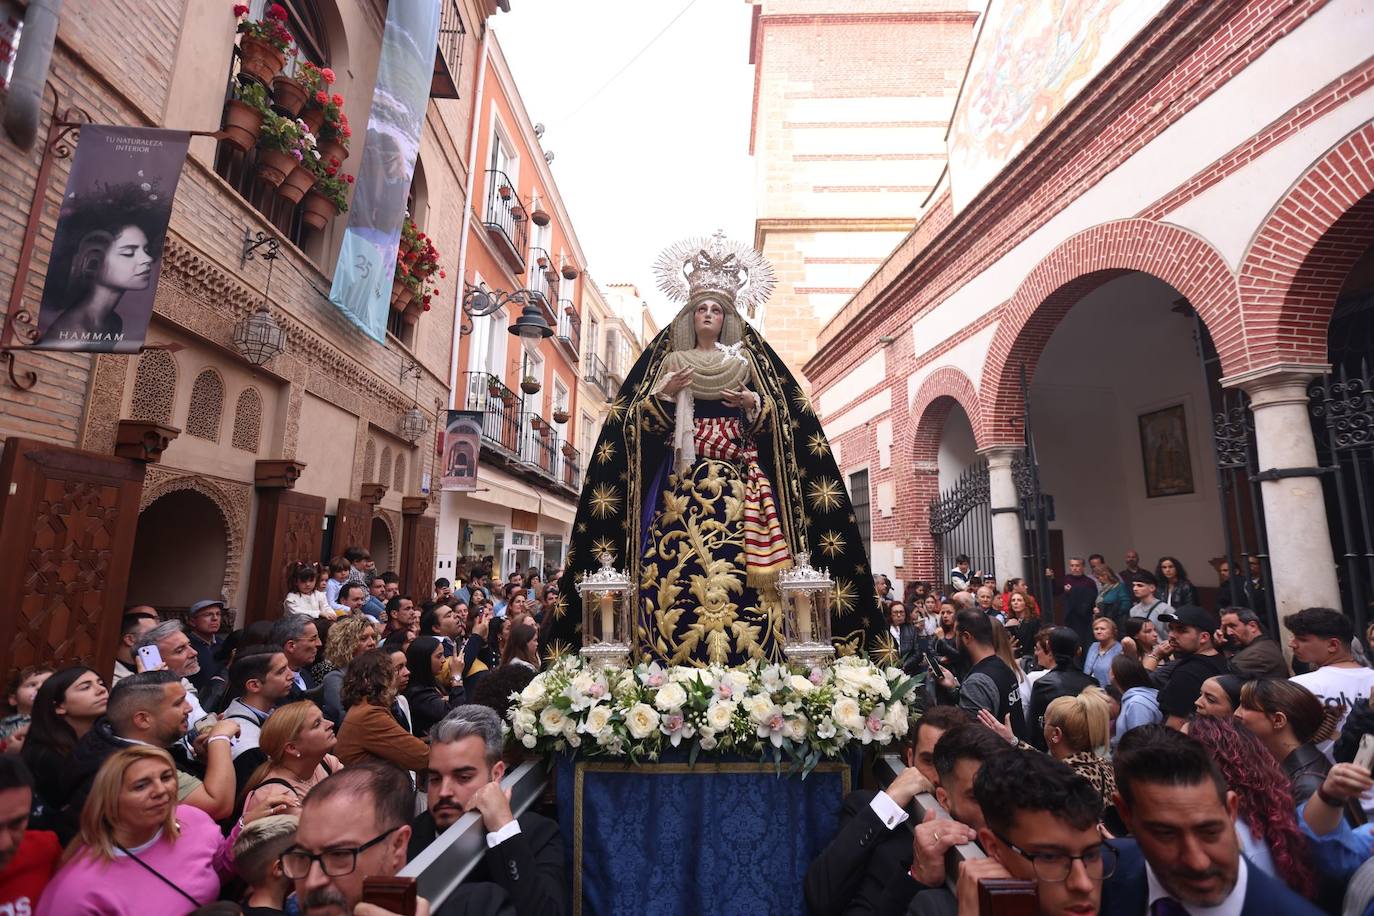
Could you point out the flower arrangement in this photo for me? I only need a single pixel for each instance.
(336, 130)
(252, 94)
(283, 135)
(314, 79)
(331, 182)
(417, 263)
(271, 28)
(770, 710)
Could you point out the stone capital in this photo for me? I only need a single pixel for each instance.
(1000, 456)
(414, 505)
(1276, 384)
(372, 493)
(277, 473)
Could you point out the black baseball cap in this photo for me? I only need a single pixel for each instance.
(1190, 615)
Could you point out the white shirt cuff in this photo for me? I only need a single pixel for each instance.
(888, 811)
(505, 833)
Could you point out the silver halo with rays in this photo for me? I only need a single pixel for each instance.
(715, 265)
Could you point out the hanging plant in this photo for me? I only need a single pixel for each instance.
(560, 416)
(569, 270)
(243, 115)
(530, 385)
(505, 191)
(263, 43)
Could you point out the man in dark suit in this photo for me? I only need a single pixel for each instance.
(1184, 854)
(300, 642)
(525, 854)
(874, 842)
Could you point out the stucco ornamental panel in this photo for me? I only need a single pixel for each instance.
(248, 421)
(155, 386)
(207, 406)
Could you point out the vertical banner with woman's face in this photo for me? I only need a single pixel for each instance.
(367, 260)
(107, 250)
(462, 446)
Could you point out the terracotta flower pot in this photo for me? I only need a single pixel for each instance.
(313, 116)
(400, 294)
(332, 149)
(288, 95)
(568, 450)
(259, 60)
(242, 124)
(504, 191)
(318, 211)
(539, 216)
(297, 182)
(569, 272)
(274, 166)
(560, 416)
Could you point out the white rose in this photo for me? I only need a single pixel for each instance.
(529, 741)
(896, 719)
(524, 721)
(533, 694)
(800, 684)
(553, 720)
(760, 707)
(847, 714)
(670, 697)
(597, 719)
(794, 728)
(708, 742)
(737, 681)
(718, 715)
(641, 720)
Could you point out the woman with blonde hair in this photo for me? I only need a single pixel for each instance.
(137, 850)
(297, 739)
(348, 638)
(1078, 731)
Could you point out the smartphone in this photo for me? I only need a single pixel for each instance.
(151, 657)
(1364, 756)
(934, 663)
(395, 895)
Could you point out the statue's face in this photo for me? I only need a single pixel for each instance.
(708, 319)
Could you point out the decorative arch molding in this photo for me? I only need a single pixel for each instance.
(230, 497)
(393, 529)
(1303, 251)
(1081, 264)
(940, 391)
(384, 466)
(370, 460)
(248, 420)
(205, 413)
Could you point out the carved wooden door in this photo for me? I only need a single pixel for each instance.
(352, 526)
(67, 524)
(289, 530)
(419, 540)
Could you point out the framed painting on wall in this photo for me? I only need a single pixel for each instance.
(1164, 452)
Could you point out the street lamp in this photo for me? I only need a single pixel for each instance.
(478, 302)
(259, 337)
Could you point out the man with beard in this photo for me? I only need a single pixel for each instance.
(178, 657)
(354, 826)
(1190, 636)
(1183, 855)
(525, 854)
(1041, 826)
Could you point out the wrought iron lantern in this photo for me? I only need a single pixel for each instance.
(606, 615)
(414, 424)
(478, 301)
(258, 337)
(806, 596)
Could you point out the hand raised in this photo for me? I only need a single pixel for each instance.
(678, 381)
(931, 839)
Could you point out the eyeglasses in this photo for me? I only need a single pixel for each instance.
(335, 863)
(1099, 861)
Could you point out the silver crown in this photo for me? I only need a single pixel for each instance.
(803, 577)
(699, 267)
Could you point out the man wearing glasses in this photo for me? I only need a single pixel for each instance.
(355, 825)
(1041, 825)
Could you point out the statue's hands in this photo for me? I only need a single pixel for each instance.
(740, 398)
(677, 381)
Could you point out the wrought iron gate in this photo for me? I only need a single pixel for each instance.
(1036, 509)
(961, 522)
(1343, 406)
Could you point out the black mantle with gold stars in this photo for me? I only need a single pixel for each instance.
(812, 503)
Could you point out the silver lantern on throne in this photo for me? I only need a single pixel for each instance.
(606, 615)
(806, 595)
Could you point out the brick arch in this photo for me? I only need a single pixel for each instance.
(1081, 264)
(1303, 251)
(940, 391)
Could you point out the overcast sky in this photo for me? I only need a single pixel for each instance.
(660, 153)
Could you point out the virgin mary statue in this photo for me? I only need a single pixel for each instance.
(710, 475)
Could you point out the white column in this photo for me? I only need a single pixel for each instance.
(1301, 560)
(1007, 551)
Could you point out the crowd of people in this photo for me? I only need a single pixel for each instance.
(271, 768)
(1141, 755)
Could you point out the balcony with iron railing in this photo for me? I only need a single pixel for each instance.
(571, 477)
(517, 439)
(569, 329)
(543, 283)
(506, 221)
(594, 371)
(539, 447)
(448, 63)
(502, 412)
